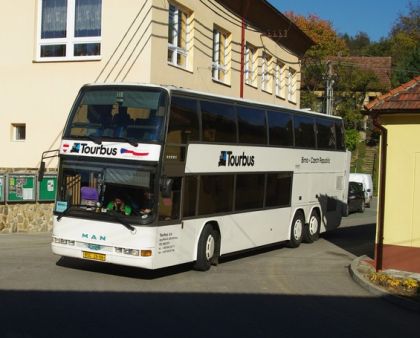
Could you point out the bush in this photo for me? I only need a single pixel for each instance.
(352, 139)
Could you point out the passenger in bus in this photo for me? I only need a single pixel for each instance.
(118, 204)
(121, 120)
(147, 203)
(89, 196)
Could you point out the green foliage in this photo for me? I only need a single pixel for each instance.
(352, 138)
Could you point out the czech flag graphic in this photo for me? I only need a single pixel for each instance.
(135, 153)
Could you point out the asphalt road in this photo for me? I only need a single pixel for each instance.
(275, 292)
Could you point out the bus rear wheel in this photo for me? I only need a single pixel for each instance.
(311, 232)
(296, 231)
(208, 249)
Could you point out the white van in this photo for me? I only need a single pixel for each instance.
(366, 180)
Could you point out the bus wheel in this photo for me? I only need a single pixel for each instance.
(296, 231)
(311, 232)
(208, 249)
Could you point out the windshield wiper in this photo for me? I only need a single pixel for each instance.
(131, 141)
(119, 219)
(65, 212)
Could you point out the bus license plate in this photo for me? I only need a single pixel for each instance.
(94, 256)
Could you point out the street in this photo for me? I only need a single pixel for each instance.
(272, 292)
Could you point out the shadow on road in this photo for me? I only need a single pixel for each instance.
(117, 314)
(358, 240)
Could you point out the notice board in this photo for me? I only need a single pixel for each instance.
(20, 188)
(47, 188)
(1, 188)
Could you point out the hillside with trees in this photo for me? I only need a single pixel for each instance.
(351, 82)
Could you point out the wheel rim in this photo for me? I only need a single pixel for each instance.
(297, 229)
(210, 246)
(313, 225)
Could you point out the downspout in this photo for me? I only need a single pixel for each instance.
(381, 211)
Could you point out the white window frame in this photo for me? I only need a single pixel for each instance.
(291, 85)
(176, 50)
(266, 76)
(70, 40)
(217, 65)
(250, 65)
(280, 80)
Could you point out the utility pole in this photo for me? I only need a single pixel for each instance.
(329, 91)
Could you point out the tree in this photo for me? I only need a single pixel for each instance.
(403, 45)
(358, 44)
(328, 42)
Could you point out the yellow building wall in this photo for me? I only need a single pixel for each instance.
(198, 76)
(134, 47)
(402, 202)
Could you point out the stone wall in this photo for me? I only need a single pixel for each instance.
(28, 216)
(31, 217)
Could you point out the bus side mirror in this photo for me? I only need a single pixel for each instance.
(41, 171)
(166, 187)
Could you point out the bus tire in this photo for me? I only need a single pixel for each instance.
(296, 230)
(208, 249)
(312, 229)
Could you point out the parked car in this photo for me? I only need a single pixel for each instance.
(366, 180)
(356, 198)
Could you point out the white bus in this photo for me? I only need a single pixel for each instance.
(153, 176)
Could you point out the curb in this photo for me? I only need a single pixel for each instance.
(360, 279)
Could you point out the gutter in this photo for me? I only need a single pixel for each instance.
(382, 183)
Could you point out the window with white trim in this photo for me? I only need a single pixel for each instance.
(291, 85)
(280, 80)
(250, 71)
(18, 131)
(178, 36)
(266, 73)
(221, 59)
(69, 30)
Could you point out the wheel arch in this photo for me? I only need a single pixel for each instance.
(215, 225)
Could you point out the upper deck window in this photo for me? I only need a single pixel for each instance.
(129, 115)
(69, 30)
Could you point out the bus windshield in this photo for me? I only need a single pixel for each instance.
(106, 191)
(124, 114)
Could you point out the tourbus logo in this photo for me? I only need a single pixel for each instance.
(84, 148)
(228, 159)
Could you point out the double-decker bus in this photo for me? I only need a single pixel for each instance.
(154, 176)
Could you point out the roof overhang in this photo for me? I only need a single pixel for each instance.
(262, 15)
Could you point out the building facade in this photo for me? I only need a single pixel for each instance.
(234, 48)
(397, 114)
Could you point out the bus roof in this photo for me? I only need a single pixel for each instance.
(181, 90)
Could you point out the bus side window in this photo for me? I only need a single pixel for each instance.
(169, 206)
(183, 121)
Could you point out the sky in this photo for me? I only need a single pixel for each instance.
(374, 17)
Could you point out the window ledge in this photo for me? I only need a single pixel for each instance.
(221, 82)
(180, 67)
(266, 91)
(251, 85)
(68, 59)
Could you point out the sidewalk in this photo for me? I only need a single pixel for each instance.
(362, 267)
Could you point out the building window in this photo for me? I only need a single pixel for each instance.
(291, 85)
(18, 132)
(250, 65)
(280, 74)
(221, 60)
(178, 36)
(266, 73)
(69, 29)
